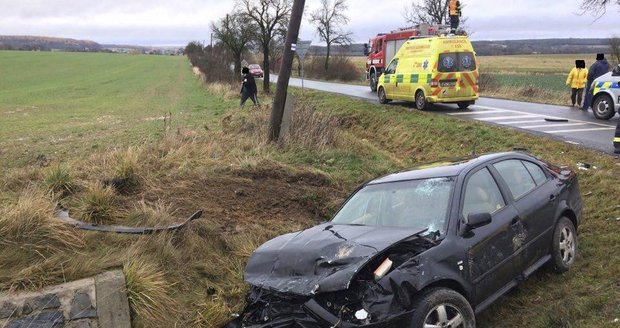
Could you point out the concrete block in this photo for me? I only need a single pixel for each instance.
(112, 302)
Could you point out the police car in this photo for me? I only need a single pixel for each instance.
(606, 95)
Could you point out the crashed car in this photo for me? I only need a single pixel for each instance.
(422, 248)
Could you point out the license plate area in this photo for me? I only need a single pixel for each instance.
(447, 83)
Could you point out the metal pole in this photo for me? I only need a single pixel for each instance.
(285, 70)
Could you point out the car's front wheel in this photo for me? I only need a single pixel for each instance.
(382, 96)
(603, 107)
(442, 307)
(373, 81)
(564, 248)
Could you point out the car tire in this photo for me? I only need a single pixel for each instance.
(464, 104)
(603, 107)
(373, 81)
(420, 100)
(564, 247)
(442, 307)
(382, 96)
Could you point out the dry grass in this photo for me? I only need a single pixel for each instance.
(30, 224)
(225, 90)
(149, 293)
(98, 205)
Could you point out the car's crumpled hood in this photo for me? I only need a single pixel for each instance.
(323, 258)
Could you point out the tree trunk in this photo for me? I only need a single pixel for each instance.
(327, 57)
(266, 68)
(237, 72)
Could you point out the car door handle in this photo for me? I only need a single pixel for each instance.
(515, 221)
(552, 197)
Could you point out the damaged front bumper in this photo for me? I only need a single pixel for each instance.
(302, 313)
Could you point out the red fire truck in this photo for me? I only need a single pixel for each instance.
(381, 49)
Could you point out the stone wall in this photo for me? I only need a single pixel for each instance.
(97, 302)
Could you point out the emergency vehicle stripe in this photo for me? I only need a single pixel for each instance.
(450, 76)
(429, 77)
(616, 139)
(414, 78)
(399, 78)
(469, 80)
(436, 92)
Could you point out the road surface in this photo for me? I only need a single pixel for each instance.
(560, 122)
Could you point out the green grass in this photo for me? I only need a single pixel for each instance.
(66, 104)
(550, 82)
(213, 156)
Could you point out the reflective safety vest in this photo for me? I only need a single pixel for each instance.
(455, 8)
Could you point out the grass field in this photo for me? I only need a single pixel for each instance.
(71, 121)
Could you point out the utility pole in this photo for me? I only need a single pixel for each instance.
(279, 100)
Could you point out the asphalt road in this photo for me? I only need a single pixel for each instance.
(559, 122)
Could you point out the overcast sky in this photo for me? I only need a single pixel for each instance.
(165, 22)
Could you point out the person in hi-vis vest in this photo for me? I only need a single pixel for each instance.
(455, 14)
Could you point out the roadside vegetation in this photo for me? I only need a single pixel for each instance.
(76, 122)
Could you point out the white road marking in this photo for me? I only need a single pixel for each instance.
(572, 142)
(479, 112)
(579, 130)
(498, 118)
(537, 120)
(541, 115)
(549, 125)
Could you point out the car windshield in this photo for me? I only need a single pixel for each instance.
(254, 66)
(419, 204)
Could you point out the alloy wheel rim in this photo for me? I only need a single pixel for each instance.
(420, 101)
(567, 245)
(444, 316)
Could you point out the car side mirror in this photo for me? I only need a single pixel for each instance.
(366, 50)
(475, 220)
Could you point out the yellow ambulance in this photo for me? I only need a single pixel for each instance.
(439, 69)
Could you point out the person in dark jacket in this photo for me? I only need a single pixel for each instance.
(600, 67)
(248, 87)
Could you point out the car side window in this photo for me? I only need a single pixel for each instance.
(517, 177)
(537, 173)
(392, 68)
(482, 195)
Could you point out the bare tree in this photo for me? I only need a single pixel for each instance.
(428, 12)
(614, 46)
(329, 19)
(597, 7)
(235, 33)
(270, 17)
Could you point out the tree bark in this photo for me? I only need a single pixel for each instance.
(327, 57)
(266, 69)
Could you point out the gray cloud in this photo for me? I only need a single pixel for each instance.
(167, 22)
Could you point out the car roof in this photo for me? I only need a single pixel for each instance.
(443, 168)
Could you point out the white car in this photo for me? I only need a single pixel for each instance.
(606, 95)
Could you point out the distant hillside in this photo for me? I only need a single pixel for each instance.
(504, 47)
(541, 46)
(43, 43)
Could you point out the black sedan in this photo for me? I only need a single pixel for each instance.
(423, 248)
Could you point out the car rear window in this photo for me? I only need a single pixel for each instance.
(537, 173)
(456, 62)
(517, 177)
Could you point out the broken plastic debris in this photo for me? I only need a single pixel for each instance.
(588, 193)
(385, 266)
(361, 314)
(64, 216)
(584, 166)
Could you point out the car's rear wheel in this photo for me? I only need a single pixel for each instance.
(373, 81)
(382, 96)
(442, 307)
(420, 100)
(603, 107)
(564, 247)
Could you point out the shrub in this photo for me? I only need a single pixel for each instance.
(340, 68)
